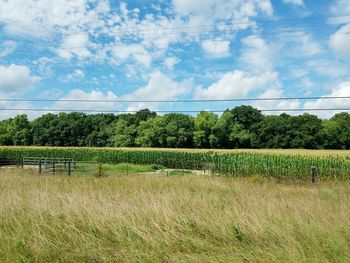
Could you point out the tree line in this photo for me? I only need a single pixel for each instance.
(240, 127)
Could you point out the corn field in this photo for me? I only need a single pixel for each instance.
(235, 163)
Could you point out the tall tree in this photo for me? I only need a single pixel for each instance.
(123, 134)
(306, 131)
(274, 132)
(179, 130)
(336, 132)
(152, 133)
(221, 131)
(203, 127)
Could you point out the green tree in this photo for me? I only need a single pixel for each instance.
(336, 132)
(306, 132)
(221, 131)
(203, 127)
(240, 137)
(5, 136)
(152, 133)
(45, 132)
(20, 131)
(100, 129)
(179, 130)
(124, 134)
(247, 116)
(274, 132)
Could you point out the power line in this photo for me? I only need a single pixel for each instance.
(179, 101)
(170, 111)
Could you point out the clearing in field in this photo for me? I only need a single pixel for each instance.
(146, 218)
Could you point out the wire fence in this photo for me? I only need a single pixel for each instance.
(59, 165)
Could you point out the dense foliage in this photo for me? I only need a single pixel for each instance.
(241, 127)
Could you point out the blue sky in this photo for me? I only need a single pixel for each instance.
(171, 50)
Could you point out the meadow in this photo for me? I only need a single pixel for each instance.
(160, 205)
(157, 218)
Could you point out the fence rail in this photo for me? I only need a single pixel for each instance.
(7, 162)
(59, 165)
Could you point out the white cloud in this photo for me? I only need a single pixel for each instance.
(72, 26)
(276, 92)
(74, 76)
(340, 90)
(13, 109)
(7, 48)
(74, 45)
(187, 7)
(341, 7)
(222, 8)
(216, 48)
(294, 2)
(44, 66)
(340, 42)
(136, 52)
(236, 84)
(329, 68)
(170, 62)
(296, 72)
(78, 94)
(44, 17)
(300, 44)
(53, 93)
(159, 87)
(16, 80)
(256, 53)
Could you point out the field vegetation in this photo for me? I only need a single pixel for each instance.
(291, 164)
(144, 218)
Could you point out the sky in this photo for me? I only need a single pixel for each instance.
(173, 50)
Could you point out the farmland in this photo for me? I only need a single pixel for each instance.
(142, 218)
(268, 163)
(241, 206)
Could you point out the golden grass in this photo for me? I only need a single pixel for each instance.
(144, 218)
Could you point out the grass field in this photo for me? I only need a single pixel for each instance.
(145, 218)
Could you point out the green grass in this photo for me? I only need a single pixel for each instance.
(110, 169)
(144, 218)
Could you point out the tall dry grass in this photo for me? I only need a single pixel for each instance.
(146, 218)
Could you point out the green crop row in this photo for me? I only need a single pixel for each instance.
(236, 163)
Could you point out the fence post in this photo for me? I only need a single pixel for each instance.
(22, 163)
(127, 169)
(39, 166)
(69, 169)
(53, 166)
(314, 178)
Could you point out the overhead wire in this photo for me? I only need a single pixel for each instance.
(180, 100)
(168, 111)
